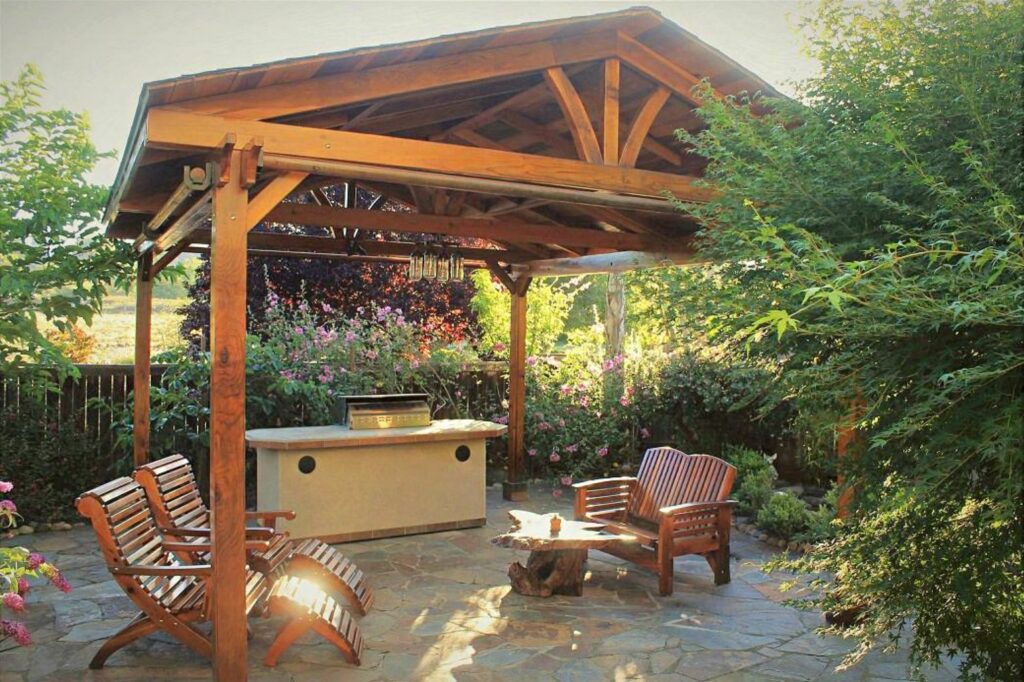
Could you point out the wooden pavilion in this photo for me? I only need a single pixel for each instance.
(553, 142)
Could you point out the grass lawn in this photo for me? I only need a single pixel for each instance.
(114, 328)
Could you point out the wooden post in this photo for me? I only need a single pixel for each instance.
(143, 329)
(227, 421)
(846, 440)
(615, 315)
(514, 487)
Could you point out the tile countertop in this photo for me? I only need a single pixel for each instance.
(339, 436)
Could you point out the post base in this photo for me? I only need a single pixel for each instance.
(515, 492)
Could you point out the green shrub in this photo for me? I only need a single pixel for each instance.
(784, 515)
(49, 461)
(820, 521)
(755, 491)
(747, 461)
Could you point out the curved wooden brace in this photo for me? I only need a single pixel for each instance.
(575, 113)
(642, 125)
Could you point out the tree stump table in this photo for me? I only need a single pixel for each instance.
(555, 564)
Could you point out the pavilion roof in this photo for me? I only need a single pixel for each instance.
(490, 90)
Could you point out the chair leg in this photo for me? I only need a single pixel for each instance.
(666, 576)
(719, 563)
(286, 636)
(140, 626)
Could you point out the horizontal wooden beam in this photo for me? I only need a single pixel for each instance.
(623, 261)
(195, 216)
(173, 129)
(508, 231)
(398, 79)
(300, 243)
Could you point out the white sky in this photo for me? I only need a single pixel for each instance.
(96, 54)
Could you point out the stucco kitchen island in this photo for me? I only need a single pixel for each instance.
(349, 485)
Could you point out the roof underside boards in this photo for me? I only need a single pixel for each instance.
(526, 103)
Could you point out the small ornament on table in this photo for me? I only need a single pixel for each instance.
(556, 524)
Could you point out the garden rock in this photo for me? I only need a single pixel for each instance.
(26, 530)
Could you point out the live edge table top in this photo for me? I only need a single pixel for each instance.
(339, 436)
(533, 532)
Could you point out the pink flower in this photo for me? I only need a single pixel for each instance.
(602, 452)
(561, 423)
(499, 347)
(608, 365)
(10, 628)
(557, 492)
(532, 452)
(543, 426)
(414, 364)
(304, 307)
(645, 434)
(8, 506)
(566, 389)
(15, 602)
(299, 331)
(6, 486)
(555, 457)
(572, 448)
(327, 308)
(23, 586)
(538, 415)
(566, 480)
(531, 361)
(371, 354)
(502, 420)
(35, 560)
(350, 336)
(624, 401)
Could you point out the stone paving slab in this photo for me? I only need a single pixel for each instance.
(444, 611)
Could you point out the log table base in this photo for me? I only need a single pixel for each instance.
(555, 565)
(549, 572)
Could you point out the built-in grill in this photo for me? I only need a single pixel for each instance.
(383, 411)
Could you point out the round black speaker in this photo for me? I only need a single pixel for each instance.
(307, 464)
(462, 453)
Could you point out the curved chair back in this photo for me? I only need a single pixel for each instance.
(669, 477)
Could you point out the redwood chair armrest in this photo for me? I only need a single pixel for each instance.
(603, 496)
(690, 507)
(200, 570)
(250, 546)
(693, 519)
(251, 532)
(269, 517)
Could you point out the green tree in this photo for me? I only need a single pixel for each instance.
(871, 240)
(548, 305)
(54, 262)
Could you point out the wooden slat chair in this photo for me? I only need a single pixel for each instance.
(170, 595)
(174, 497)
(676, 505)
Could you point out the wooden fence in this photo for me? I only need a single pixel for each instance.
(93, 401)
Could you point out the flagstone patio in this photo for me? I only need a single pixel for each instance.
(444, 611)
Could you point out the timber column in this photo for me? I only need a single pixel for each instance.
(514, 487)
(227, 420)
(143, 334)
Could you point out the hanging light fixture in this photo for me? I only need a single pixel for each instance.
(442, 263)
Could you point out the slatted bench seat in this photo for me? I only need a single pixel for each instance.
(174, 496)
(310, 608)
(675, 505)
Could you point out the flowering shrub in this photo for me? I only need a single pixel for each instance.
(297, 362)
(17, 566)
(582, 418)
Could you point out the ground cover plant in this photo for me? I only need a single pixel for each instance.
(870, 241)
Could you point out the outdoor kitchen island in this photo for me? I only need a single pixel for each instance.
(350, 484)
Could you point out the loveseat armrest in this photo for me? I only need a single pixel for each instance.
(199, 570)
(713, 517)
(603, 497)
